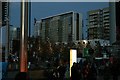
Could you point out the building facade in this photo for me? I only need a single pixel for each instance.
(115, 27)
(4, 12)
(37, 25)
(114, 22)
(98, 24)
(0, 13)
(14, 39)
(14, 33)
(4, 16)
(65, 27)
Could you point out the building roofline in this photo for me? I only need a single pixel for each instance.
(58, 14)
(97, 9)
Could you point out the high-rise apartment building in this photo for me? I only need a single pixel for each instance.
(63, 27)
(4, 12)
(98, 24)
(4, 15)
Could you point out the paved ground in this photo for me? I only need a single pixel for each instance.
(37, 75)
(34, 75)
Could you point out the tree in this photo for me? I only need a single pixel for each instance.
(90, 50)
(79, 49)
(98, 49)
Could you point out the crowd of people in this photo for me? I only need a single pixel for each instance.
(60, 72)
(83, 71)
(86, 70)
(90, 70)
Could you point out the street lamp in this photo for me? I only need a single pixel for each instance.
(22, 75)
(24, 35)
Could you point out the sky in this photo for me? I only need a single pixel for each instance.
(44, 9)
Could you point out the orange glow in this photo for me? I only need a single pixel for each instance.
(24, 30)
(23, 61)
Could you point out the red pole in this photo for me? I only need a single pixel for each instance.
(24, 35)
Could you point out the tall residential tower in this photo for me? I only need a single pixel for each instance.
(65, 27)
(98, 24)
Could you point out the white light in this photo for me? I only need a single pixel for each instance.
(85, 41)
(73, 58)
(14, 29)
(98, 58)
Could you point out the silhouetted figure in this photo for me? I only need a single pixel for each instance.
(74, 72)
(55, 75)
(85, 72)
(79, 71)
(115, 69)
(61, 70)
(106, 75)
(92, 74)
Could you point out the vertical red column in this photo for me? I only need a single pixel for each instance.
(24, 35)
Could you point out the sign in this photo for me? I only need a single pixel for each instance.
(85, 53)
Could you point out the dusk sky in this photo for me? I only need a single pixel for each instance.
(44, 9)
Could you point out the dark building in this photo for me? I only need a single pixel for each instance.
(98, 24)
(118, 21)
(64, 27)
(115, 27)
(4, 11)
(14, 39)
(4, 15)
(114, 22)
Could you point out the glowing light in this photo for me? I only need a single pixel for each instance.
(73, 58)
(85, 41)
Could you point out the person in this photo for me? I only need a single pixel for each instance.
(85, 71)
(61, 70)
(106, 75)
(92, 72)
(74, 72)
(67, 74)
(115, 69)
(55, 74)
(79, 71)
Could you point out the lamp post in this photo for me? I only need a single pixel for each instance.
(24, 35)
(22, 75)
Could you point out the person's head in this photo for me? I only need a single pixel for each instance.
(74, 64)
